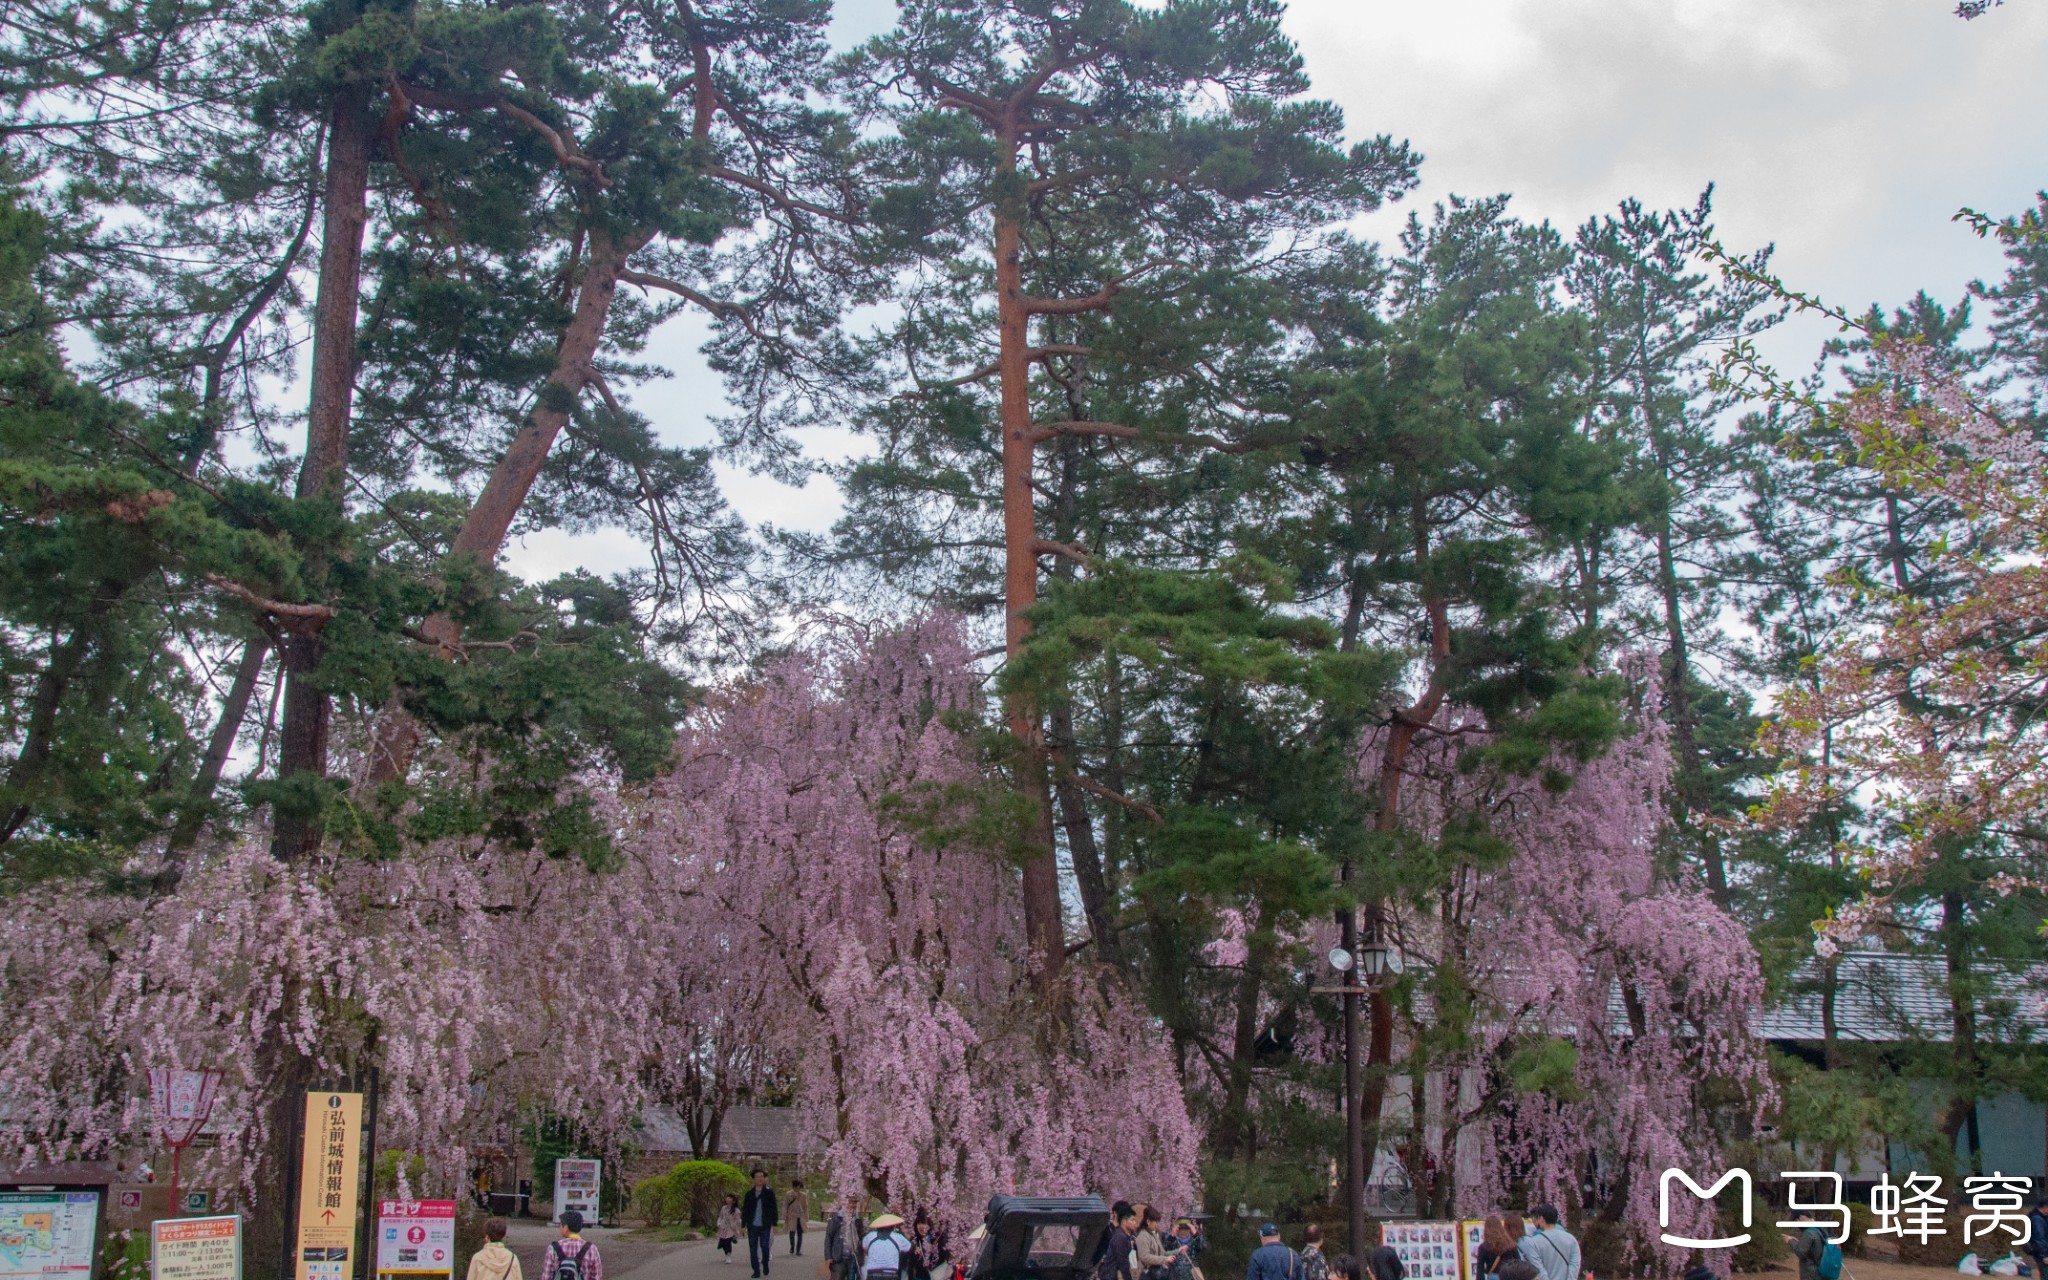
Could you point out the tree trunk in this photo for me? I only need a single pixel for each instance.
(1679, 711)
(1681, 715)
(1044, 931)
(1098, 901)
(302, 743)
(1233, 1124)
(39, 738)
(1406, 723)
(234, 709)
(482, 535)
(1964, 1069)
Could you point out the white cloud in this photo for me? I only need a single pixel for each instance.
(1847, 132)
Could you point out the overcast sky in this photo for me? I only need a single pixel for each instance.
(1845, 132)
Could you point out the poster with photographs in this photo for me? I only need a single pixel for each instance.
(1472, 1233)
(1428, 1250)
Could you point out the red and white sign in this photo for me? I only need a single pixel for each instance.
(416, 1237)
(182, 1101)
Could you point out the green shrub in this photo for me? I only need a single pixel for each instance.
(1941, 1251)
(1766, 1250)
(696, 1186)
(650, 1200)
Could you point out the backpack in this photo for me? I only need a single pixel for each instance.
(1830, 1264)
(1314, 1266)
(562, 1265)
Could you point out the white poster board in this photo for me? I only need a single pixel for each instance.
(195, 1249)
(1428, 1250)
(45, 1234)
(576, 1183)
(415, 1237)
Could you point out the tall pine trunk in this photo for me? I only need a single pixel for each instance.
(1043, 929)
(302, 742)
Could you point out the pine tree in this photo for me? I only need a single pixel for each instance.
(1660, 318)
(1169, 143)
(1443, 449)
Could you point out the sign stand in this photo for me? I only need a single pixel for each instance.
(330, 1185)
(182, 1101)
(415, 1238)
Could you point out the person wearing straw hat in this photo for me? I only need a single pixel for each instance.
(882, 1249)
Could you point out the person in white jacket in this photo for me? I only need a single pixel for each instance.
(494, 1261)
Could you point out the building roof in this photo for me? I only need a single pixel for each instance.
(1882, 996)
(745, 1131)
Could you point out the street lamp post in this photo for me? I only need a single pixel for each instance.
(1352, 962)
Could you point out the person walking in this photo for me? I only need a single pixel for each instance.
(728, 1224)
(1382, 1263)
(927, 1255)
(1500, 1240)
(1155, 1256)
(1550, 1248)
(1810, 1247)
(1314, 1266)
(565, 1263)
(798, 1209)
(842, 1241)
(1114, 1263)
(882, 1248)
(494, 1261)
(758, 1213)
(1272, 1260)
(2037, 1236)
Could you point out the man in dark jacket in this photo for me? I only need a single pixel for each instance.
(1114, 1262)
(759, 1212)
(2037, 1237)
(1272, 1260)
(1808, 1245)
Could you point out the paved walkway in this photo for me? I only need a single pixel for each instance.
(626, 1259)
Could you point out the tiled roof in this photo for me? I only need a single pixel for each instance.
(746, 1131)
(1881, 996)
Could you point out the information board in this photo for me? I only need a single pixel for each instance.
(1428, 1250)
(47, 1234)
(576, 1183)
(415, 1237)
(195, 1249)
(330, 1184)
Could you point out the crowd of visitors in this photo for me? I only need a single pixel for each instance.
(1138, 1245)
(1544, 1251)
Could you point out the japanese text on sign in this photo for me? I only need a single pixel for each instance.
(196, 1249)
(330, 1163)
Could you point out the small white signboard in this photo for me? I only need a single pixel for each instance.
(195, 1249)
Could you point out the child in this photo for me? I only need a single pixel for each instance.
(728, 1226)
